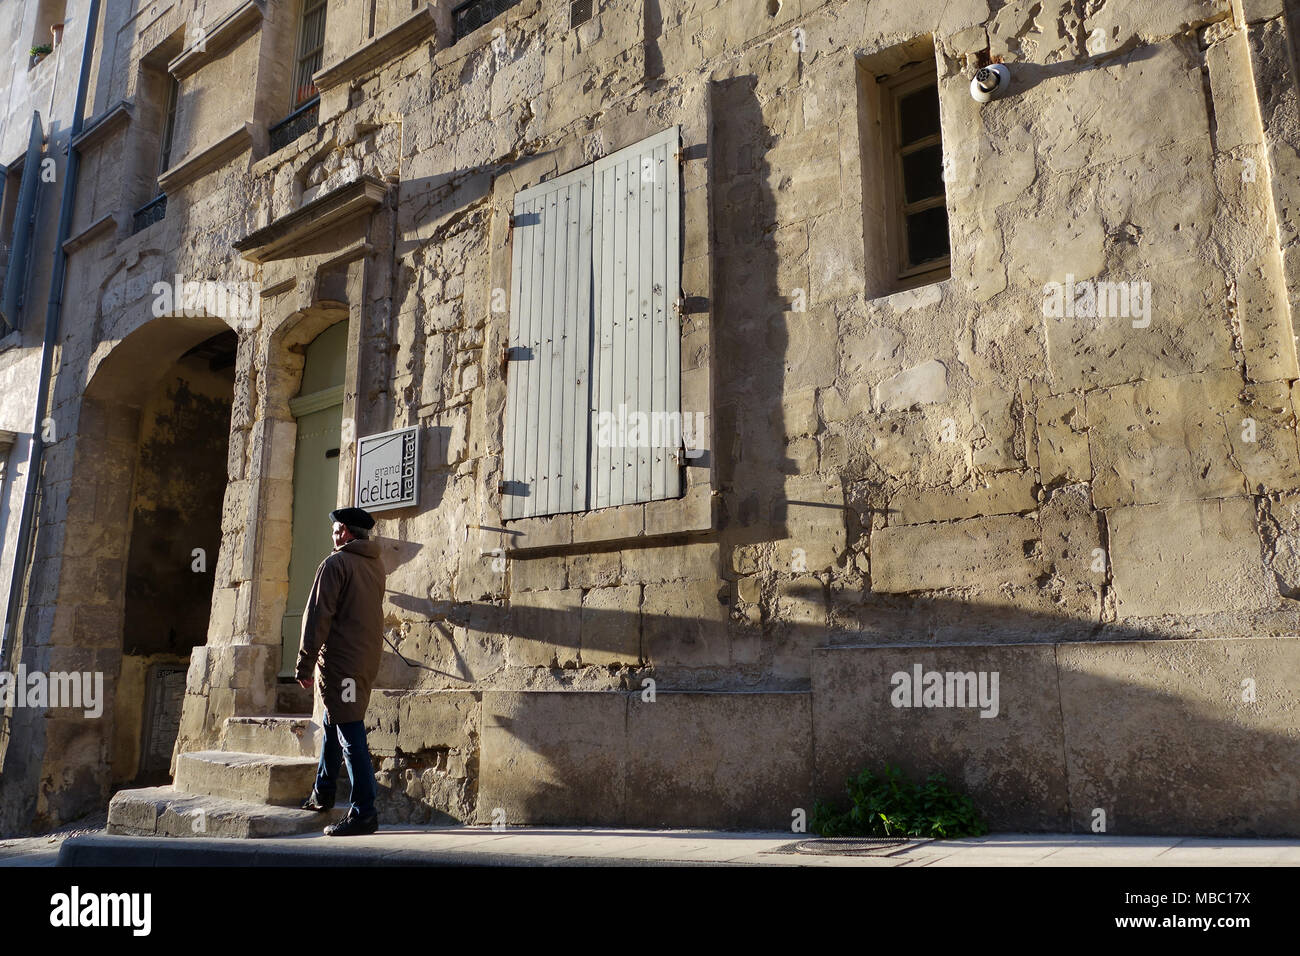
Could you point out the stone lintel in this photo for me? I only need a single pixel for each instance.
(97, 228)
(379, 51)
(116, 117)
(207, 159)
(217, 39)
(275, 240)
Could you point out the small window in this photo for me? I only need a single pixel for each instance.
(311, 46)
(469, 16)
(49, 14)
(914, 166)
(905, 212)
(169, 125)
(579, 12)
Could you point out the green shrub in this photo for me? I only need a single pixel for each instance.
(41, 49)
(891, 805)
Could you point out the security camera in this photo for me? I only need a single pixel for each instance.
(990, 83)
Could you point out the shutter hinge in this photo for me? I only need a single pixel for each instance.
(503, 360)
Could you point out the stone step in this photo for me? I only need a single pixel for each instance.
(166, 811)
(251, 777)
(280, 735)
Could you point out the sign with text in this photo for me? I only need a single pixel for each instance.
(388, 470)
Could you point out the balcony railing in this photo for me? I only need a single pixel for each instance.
(155, 210)
(295, 124)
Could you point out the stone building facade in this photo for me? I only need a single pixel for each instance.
(1001, 390)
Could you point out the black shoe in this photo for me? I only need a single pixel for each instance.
(354, 826)
(315, 804)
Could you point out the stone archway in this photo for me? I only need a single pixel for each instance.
(131, 510)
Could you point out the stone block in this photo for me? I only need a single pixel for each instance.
(712, 759)
(684, 623)
(611, 626)
(537, 574)
(985, 554)
(1002, 494)
(1009, 763)
(553, 758)
(1062, 428)
(1147, 719)
(1188, 557)
(543, 628)
(598, 569)
(1165, 439)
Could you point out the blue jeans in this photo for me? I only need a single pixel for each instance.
(346, 741)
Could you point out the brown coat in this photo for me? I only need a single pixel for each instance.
(343, 627)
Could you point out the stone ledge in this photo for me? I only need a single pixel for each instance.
(108, 122)
(217, 39)
(207, 159)
(90, 233)
(693, 513)
(306, 222)
(379, 51)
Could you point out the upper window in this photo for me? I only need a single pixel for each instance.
(910, 115)
(905, 213)
(49, 22)
(311, 45)
(169, 125)
(593, 365)
(473, 14)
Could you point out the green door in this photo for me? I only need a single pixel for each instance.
(319, 411)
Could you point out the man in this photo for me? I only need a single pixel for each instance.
(343, 628)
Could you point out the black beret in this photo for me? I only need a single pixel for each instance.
(354, 517)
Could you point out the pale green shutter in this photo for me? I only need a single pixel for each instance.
(544, 458)
(636, 359)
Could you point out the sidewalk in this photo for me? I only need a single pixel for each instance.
(403, 845)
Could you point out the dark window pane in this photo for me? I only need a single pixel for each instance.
(927, 235)
(923, 173)
(918, 115)
(468, 17)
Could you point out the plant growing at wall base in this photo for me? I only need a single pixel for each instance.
(41, 49)
(890, 805)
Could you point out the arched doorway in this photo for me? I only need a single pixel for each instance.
(175, 537)
(318, 411)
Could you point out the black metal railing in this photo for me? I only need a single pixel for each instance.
(155, 210)
(300, 121)
(468, 17)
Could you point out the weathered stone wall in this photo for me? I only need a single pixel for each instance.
(952, 464)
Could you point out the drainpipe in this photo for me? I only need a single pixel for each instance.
(53, 314)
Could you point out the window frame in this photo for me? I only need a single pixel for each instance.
(892, 89)
(301, 55)
(597, 312)
(168, 132)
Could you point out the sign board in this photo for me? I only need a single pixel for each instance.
(388, 470)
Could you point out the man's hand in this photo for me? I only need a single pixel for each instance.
(306, 684)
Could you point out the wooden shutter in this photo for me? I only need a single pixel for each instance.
(16, 268)
(636, 359)
(544, 459)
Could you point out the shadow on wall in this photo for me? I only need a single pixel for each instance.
(1133, 733)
